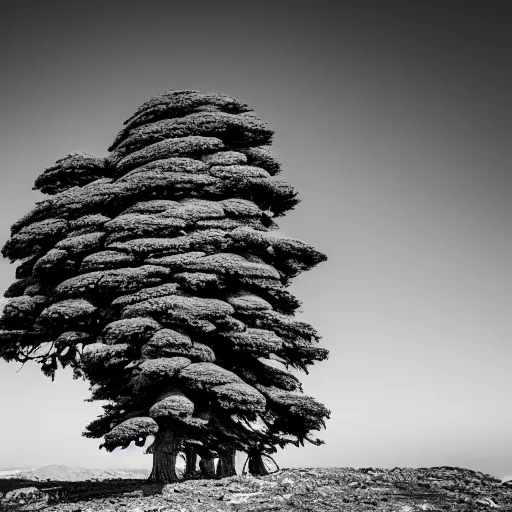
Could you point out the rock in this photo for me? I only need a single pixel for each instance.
(318, 489)
(24, 499)
(18, 494)
(488, 502)
(134, 494)
(244, 497)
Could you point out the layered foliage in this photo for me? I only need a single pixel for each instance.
(158, 275)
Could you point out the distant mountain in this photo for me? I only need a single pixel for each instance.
(13, 472)
(73, 474)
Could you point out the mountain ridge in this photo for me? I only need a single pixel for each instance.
(64, 473)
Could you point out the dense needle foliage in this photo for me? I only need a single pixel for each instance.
(157, 274)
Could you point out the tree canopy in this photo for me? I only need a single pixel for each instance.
(157, 274)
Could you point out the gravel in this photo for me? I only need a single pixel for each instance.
(325, 489)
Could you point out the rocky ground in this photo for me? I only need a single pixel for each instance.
(302, 490)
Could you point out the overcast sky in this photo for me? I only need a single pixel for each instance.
(392, 120)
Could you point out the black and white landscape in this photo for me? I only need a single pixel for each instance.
(199, 202)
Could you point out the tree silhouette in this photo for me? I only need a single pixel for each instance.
(157, 274)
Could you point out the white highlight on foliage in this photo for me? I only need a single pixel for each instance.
(207, 375)
(131, 429)
(100, 354)
(130, 330)
(119, 280)
(180, 146)
(146, 294)
(228, 263)
(71, 309)
(179, 305)
(225, 158)
(82, 243)
(239, 395)
(172, 404)
(247, 301)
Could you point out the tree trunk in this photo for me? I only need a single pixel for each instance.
(227, 463)
(207, 466)
(165, 451)
(207, 462)
(191, 464)
(256, 466)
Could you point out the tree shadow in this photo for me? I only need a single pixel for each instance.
(86, 490)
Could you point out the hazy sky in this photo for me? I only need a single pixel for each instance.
(392, 120)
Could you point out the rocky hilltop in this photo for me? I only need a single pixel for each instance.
(311, 490)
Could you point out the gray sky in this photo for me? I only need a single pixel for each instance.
(392, 121)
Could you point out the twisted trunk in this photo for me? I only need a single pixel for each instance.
(207, 466)
(165, 452)
(191, 462)
(227, 463)
(207, 462)
(256, 465)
